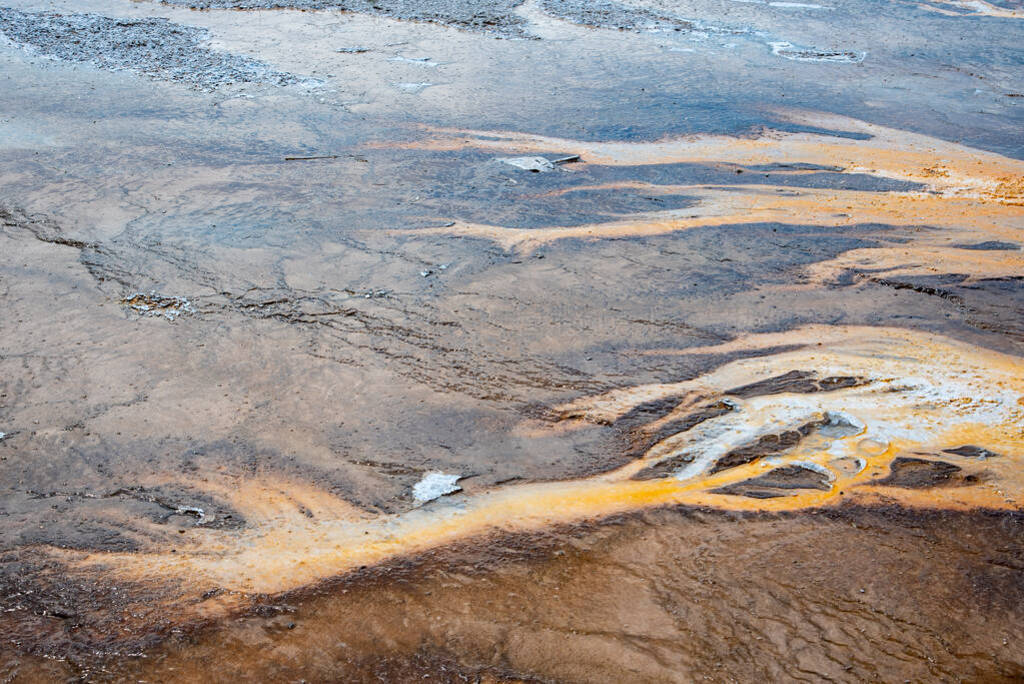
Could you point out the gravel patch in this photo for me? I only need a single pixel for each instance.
(156, 48)
(613, 15)
(488, 16)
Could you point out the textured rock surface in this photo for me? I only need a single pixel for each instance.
(734, 393)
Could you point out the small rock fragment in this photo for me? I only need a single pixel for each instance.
(201, 517)
(534, 164)
(421, 61)
(157, 305)
(798, 54)
(413, 88)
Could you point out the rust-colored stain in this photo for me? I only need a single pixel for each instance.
(945, 167)
(965, 194)
(918, 396)
(913, 418)
(283, 404)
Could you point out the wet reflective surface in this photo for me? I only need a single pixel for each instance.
(548, 341)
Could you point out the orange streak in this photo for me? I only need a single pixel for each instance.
(924, 394)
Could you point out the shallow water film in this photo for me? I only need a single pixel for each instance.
(513, 340)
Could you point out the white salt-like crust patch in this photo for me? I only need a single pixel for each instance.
(434, 485)
(421, 61)
(413, 87)
(799, 54)
(535, 164)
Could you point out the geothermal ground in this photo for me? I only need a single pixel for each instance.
(515, 340)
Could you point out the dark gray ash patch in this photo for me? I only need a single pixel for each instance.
(778, 482)
(613, 15)
(990, 245)
(156, 48)
(488, 16)
(918, 473)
